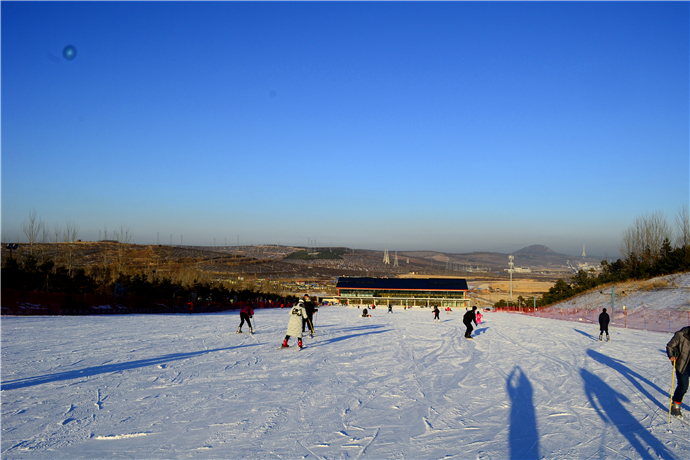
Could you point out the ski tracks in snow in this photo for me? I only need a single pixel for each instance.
(390, 386)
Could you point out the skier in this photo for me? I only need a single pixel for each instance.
(309, 320)
(246, 313)
(365, 313)
(604, 325)
(390, 308)
(479, 317)
(678, 351)
(436, 312)
(297, 315)
(448, 310)
(467, 319)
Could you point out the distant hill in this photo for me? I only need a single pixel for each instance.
(535, 249)
(535, 257)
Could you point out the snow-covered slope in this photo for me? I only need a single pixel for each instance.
(671, 291)
(391, 386)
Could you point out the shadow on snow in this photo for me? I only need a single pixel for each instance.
(345, 337)
(608, 405)
(632, 376)
(106, 368)
(523, 436)
(586, 334)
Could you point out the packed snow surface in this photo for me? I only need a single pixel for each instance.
(396, 385)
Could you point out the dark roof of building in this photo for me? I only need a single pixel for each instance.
(408, 284)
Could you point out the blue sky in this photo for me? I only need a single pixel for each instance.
(447, 126)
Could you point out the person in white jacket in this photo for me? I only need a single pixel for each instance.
(295, 325)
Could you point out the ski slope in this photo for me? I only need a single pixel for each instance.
(390, 386)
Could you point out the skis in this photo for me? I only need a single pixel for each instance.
(298, 348)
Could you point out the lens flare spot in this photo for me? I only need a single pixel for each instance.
(69, 52)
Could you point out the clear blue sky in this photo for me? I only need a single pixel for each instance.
(439, 126)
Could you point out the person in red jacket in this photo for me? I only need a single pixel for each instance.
(246, 313)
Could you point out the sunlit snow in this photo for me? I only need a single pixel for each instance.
(396, 385)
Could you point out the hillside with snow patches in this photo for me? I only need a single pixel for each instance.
(670, 291)
(391, 386)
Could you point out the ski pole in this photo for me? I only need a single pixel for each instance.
(672, 381)
(311, 327)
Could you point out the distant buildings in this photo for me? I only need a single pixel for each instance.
(444, 292)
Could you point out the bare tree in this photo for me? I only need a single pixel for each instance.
(645, 238)
(57, 232)
(683, 228)
(45, 238)
(32, 228)
(123, 235)
(69, 236)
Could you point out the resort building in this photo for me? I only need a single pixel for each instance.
(443, 292)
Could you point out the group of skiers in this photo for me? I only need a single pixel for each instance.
(301, 316)
(677, 349)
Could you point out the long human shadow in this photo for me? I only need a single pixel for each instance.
(632, 376)
(346, 337)
(607, 403)
(585, 334)
(358, 328)
(523, 436)
(480, 331)
(106, 368)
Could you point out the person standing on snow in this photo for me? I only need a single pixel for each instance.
(390, 308)
(309, 320)
(436, 312)
(246, 313)
(604, 324)
(678, 351)
(467, 319)
(297, 315)
(479, 317)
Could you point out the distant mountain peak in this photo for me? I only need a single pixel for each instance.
(536, 249)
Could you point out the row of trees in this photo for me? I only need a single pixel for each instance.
(648, 252)
(36, 231)
(30, 275)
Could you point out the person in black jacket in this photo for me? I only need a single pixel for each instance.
(678, 351)
(309, 320)
(604, 325)
(467, 319)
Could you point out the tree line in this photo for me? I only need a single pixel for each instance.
(30, 275)
(649, 247)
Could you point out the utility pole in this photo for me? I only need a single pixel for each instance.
(510, 270)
